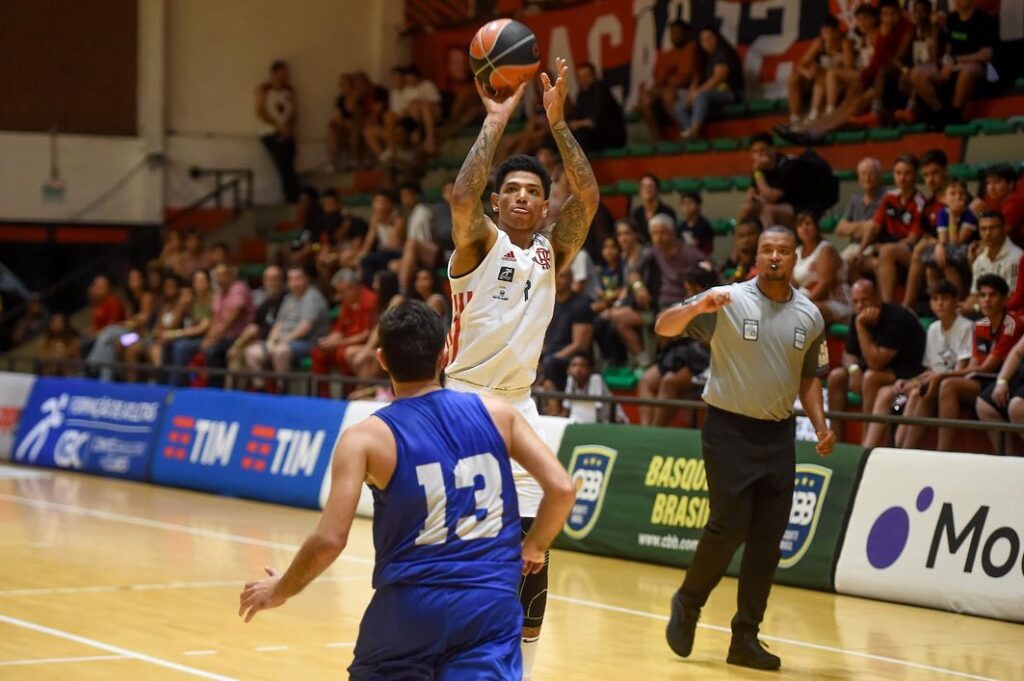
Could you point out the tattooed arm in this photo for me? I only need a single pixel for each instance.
(573, 223)
(472, 231)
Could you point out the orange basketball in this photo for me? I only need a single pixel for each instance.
(503, 54)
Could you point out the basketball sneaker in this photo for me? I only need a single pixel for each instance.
(746, 651)
(681, 627)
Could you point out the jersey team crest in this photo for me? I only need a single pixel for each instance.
(590, 468)
(808, 499)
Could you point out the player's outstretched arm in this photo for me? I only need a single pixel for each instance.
(472, 231)
(573, 223)
(323, 547)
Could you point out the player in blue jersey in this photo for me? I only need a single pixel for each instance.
(446, 524)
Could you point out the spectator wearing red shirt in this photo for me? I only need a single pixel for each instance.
(232, 312)
(107, 308)
(895, 36)
(356, 319)
(935, 174)
(999, 195)
(995, 334)
(896, 226)
(673, 71)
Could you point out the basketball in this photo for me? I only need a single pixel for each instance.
(503, 54)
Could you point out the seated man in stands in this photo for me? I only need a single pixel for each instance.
(945, 88)
(385, 239)
(356, 317)
(264, 317)
(420, 250)
(595, 118)
(856, 220)
(232, 313)
(999, 194)
(895, 229)
(935, 173)
(673, 71)
(741, 264)
(1003, 400)
(947, 349)
(571, 331)
(995, 335)
(996, 254)
(107, 308)
(885, 342)
(301, 319)
(694, 228)
(782, 185)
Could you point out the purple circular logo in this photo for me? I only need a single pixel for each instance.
(890, 531)
(925, 498)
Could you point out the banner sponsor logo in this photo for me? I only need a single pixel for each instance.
(14, 392)
(808, 500)
(590, 469)
(691, 509)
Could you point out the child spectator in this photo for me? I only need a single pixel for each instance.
(694, 228)
(999, 195)
(1003, 400)
(635, 304)
(571, 331)
(741, 264)
(583, 380)
(996, 255)
(609, 276)
(957, 229)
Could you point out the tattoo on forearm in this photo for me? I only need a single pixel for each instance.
(476, 169)
(573, 222)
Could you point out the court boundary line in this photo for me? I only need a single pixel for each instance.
(242, 539)
(59, 633)
(153, 586)
(61, 660)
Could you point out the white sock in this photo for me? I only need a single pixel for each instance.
(528, 646)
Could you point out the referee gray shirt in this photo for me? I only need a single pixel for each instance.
(760, 350)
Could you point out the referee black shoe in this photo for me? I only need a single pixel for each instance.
(681, 627)
(746, 651)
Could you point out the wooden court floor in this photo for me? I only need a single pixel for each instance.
(102, 579)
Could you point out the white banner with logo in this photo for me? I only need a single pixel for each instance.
(939, 530)
(14, 392)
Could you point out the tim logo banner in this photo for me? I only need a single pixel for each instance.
(102, 428)
(943, 531)
(255, 446)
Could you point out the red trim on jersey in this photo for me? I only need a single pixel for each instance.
(459, 301)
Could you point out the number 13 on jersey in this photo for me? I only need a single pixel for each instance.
(468, 524)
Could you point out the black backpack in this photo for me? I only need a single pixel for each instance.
(822, 184)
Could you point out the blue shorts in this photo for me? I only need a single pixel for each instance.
(417, 633)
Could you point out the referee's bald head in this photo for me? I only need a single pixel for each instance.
(780, 229)
(776, 254)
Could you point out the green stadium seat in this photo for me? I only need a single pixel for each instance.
(995, 126)
(717, 184)
(334, 313)
(251, 270)
(828, 223)
(669, 147)
(723, 226)
(926, 322)
(839, 330)
(914, 128)
(698, 146)
(628, 187)
(887, 178)
(357, 200)
(734, 110)
(964, 130)
(640, 149)
(851, 136)
(306, 362)
(741, 182)
(432, 196)
(964, 171)
(436, 163)
(619, 378)
(853, 399)
(687, 185)
(725, 144)
(845, 175)
(1016, 121)
(620, 152)
(884, 134)
(608, 190)
(761, 106)
(284, 237)
(1019, 84)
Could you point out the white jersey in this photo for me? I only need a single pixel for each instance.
(500, 313)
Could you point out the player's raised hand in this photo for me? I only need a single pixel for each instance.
(259, 595)
(554, 93)
(500, 105)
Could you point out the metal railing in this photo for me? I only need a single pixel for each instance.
(308, 384)
(236, 182)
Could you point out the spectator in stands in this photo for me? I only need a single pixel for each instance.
(649, 205)
(423, 106)
(33, 322)
(59, 343)
(232, 313)
(441, 223)
(924, 50)
(140, 305)
(107, 309)
(356, 318)
(595, 118)
(420, 249)
(583, 380)
(571, 331)
(856, 220)
(535, 132)
(717, 81)
(995, 334)
(194, 257)
(781, 184)
(945, 87)
(584, 276)
(895, 229)
(673, 71)
(947, 349)
(999, 194)
(386, 237)
(197, 315)
(405, 160)
(301, 319)
(172, 254)
(609, 275)
(820, 273)
(694, 228)
(263, 318)
(935, 174)
(1003, 399)
(885, 342)
(341, 126)
(996, 254)
(635, 305)
(380, 134)
(829, 51)
(218, 254)
(362, 358)
(275, 107)
(956, 229)
(464, 104)
(741, 263)
(168, 317)
(425, 290)
(681, 362)
(846, 82)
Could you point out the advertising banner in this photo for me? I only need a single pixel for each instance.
(940, 530)
(255, 446)
(103, 428)
(14, 392)
(642, 494)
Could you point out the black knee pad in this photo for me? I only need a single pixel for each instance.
(533, 589)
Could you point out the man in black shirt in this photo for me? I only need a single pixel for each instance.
(969, 38)
(779, 187)
(596, 118)
(264, 317)
(885, 340)
(571, 331)
(694, 228)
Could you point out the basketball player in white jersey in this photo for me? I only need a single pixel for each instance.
(503, 281)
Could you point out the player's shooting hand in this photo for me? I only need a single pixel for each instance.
(714, 301)
(554, 94)
(533, 558)
(500, 105)
(826, 441)
(259, 595)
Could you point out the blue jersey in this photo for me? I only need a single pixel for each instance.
(449, 515)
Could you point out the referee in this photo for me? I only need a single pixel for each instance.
(767, 346)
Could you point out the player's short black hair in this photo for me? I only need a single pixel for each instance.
(411, 339)
(926, 3)
(908, 159)
(524, 163)
(991, 215)
(944, 287)
(779, 229)
(1003, 171)
(995, 282)
(765, 137)
(936, 156)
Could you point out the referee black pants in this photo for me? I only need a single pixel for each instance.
(750, 466)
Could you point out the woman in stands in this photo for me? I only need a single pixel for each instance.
(196, 304)
(718, 81)
(166, 317)
(820, 273)
(616, 328)
(425, 290)
(830, 51)
(140, 305)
